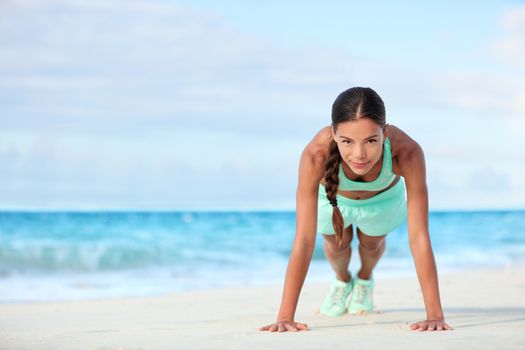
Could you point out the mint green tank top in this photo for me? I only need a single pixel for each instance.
(385, 178)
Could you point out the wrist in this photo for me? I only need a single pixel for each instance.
(284, 318)
(435, 317)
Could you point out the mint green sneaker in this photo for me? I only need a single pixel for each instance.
(361, 301)
(336, 301)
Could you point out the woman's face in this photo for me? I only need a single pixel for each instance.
(360, 143)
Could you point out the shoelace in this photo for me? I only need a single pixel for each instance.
(337, 294)
(360, 293)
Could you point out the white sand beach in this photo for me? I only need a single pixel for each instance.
(485, 307)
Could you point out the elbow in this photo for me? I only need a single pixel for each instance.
(309, 245)
(304, 246)
(419, 241)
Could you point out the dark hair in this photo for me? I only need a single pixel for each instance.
(351, 104)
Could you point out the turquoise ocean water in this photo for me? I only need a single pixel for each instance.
(85, 255)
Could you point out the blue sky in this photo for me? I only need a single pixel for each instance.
(208, 105)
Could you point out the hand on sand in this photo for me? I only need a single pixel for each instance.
(430, 325)
(285, 325)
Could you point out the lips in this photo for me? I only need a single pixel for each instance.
(359, 165)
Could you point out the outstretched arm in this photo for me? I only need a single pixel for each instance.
(413, 170)
(310, 172)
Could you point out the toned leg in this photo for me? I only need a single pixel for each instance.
(339, 256)
(371, 248)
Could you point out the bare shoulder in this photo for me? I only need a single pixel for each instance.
(319, 145)
(313, 158)
(406, 152)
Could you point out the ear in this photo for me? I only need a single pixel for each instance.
(386, 131)
(332, 132)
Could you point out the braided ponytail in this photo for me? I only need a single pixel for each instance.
(332, 182)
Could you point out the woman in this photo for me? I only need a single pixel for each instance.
(354, 173)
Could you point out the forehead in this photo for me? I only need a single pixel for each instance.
(358, 129)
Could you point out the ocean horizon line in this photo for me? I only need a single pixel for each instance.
(223, 210)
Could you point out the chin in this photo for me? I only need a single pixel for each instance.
(359, 171)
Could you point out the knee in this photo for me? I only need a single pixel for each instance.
(331, 245)
(373, 245)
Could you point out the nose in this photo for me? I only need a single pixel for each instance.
(359, 152)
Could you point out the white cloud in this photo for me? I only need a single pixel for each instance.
(483, 92)
(172, 64)
(511, 47)
(498, 89)
(149, 103)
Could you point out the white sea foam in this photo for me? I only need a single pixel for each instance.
(85, 255)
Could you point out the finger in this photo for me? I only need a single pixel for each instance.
(415, 326)
(290, 327)
(421, 328)
(303, 326)
(264, 328)
(447, 327)
(273, 327)
(281, 327)
(440, 327)
(431, 327)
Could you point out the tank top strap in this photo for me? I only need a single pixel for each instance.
(388, 155)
